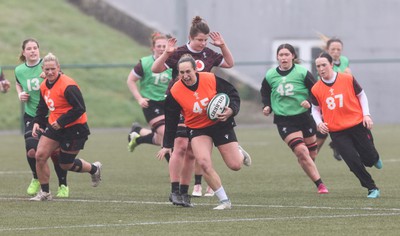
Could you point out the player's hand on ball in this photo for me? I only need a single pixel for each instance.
(225, 114)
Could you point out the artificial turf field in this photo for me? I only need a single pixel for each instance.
(272, 197)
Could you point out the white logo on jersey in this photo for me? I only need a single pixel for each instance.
(49, 101)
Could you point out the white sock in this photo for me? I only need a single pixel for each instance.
(220, 193)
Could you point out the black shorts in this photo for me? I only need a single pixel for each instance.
(155, 109)
(182, 132)
(321, 135)
(71, 139)
(30, 141)
(289, 124)
(219, 134)
(28, 125)
(308, 129)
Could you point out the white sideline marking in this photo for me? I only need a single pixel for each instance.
(395, 212)
(390, 160)
(14, 172)
(205, 204)
(197, 221)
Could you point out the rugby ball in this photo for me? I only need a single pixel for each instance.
(217, 105)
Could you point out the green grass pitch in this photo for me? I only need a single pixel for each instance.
(272, 197)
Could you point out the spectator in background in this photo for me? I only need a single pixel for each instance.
(343, 104)
(285, 91)
(28, 76)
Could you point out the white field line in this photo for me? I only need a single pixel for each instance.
(207, 204)
(390, 212)
(14, 172)
(390, 160)
(198, 222)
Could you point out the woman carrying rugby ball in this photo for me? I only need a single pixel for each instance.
(190, 96)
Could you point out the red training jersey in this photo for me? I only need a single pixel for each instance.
(56, 102)
(339, 104)
(194, 103)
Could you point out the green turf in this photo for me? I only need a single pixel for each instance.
(272, 197)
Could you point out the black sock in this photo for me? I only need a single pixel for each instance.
(93, 170)
(45, 188)
(184, 189)
(175, 187)
(32, 165)
(197, 179)
(146, 139)
(318, 182)
(61, 174)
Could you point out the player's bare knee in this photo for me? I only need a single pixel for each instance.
(206, 166)
(41, 158)
(179, 151)
(302, 153)
(235, 167)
